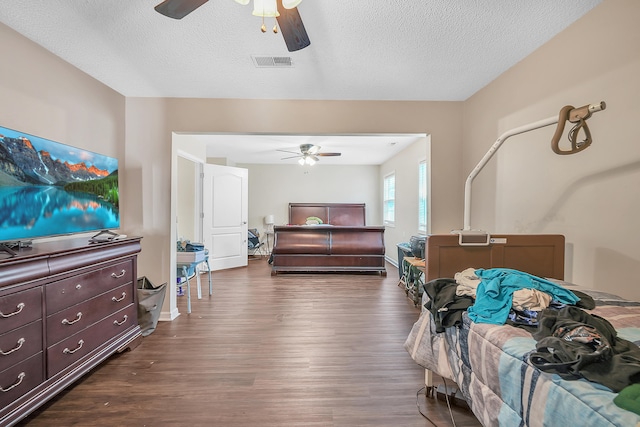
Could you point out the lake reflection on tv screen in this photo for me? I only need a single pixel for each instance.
(32, 211)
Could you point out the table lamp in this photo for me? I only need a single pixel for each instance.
(269, 220)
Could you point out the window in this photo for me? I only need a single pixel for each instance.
(423, 212)
(389, 199)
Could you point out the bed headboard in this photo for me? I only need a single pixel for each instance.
(539, 254)
(352, 214)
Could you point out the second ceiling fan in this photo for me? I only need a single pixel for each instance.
(285, 11)
(308, 154)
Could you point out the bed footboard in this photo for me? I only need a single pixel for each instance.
(539, 254)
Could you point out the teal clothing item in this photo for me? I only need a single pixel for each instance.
(494, 295)
(629, 398)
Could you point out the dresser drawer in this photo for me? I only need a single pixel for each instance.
(20, 378)
(71, 320)
(68, 292)
(20, 344)
(20, 308)
(72, 349)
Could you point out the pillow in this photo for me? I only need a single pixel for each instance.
(313, 220)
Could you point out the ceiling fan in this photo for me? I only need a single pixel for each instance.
(285, 11)
(309, 154)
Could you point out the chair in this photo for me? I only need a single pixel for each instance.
(187, 263)
(254, 246)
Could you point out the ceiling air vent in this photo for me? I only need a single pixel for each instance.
(272, 61)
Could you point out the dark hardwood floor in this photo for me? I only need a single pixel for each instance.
(291, 350)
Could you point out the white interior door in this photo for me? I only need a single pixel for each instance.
(225, 212)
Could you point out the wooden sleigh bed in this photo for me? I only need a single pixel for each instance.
(492, 363)
(339, 242)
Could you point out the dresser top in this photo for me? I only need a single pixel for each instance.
(52, 257)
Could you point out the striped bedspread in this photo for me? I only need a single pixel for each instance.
(490, 364)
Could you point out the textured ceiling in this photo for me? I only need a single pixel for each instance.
(360, 50)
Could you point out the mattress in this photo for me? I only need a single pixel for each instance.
(491, 366)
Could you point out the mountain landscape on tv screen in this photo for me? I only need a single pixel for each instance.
(21, 161)
(43, 194)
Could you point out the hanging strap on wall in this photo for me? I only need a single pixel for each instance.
(578, 116)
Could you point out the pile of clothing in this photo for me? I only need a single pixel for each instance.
(569, 341)
(497, 296)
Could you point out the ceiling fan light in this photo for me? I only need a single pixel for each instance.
(265, 8)
(290, 4)
(301, 161)
(243, 2)
(310, 161)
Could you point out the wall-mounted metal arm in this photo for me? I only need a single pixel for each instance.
(574, 115)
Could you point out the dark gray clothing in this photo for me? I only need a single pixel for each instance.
(445, 306)
(575, 344)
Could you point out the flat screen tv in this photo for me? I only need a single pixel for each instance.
(52, 189)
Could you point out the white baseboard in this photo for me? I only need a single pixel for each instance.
(169, 316)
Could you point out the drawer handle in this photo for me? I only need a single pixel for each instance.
(115, 322)
(21, 341)
(71, 322)
(67, 351)
(21, 376)
(114, 299)
(19, 307)
(117, 276)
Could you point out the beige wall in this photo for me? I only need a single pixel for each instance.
(190, 158)
(186, 200)
(591, 197)
(405, 167)
(45, 96)
(273, 187)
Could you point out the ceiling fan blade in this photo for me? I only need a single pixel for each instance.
(178, 9)
(328, 154)
(287, 151)
(291, 157)
(292, 28)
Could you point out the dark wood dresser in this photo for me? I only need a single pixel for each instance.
(65, 307)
